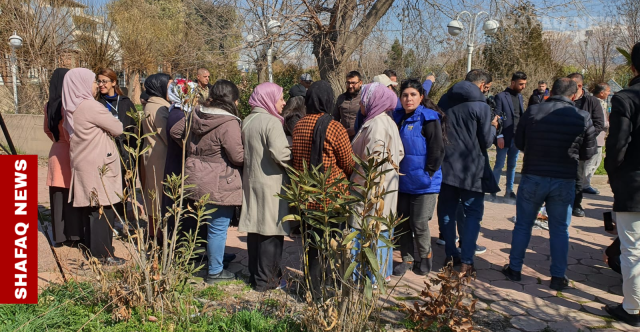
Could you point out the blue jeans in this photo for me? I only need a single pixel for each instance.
(217, 235)
(473, 207)
(384, 255)
(557, 195)
(509, 153)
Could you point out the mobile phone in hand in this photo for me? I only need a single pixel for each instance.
(608, 221)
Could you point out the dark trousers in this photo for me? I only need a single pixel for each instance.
(66, 221)
(419, 209)
(98, 233)
(265, 255)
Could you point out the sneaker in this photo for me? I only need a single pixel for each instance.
(559, 283)
(511, 274)
(224, 275)
(112, 261)
(480, 250)
(424, 267)
(387, 279)
(441, 241)
(578, 212)
(402, 268)
(455, 259)
(618, 312)
(591, 191)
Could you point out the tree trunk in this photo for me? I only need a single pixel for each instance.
(333, 71)
(134, 87)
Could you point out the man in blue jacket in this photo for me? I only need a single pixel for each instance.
(509, 107)
(469, 134)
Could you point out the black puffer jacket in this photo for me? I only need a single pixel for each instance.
(554, 135)
(623, 148)
(469, 135)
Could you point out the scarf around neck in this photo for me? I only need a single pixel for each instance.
(319, 100)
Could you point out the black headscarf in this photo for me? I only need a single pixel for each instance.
(156, 85)
(54, 106)
(319, 100)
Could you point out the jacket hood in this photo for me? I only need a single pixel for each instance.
(461, 92)
(208, 119)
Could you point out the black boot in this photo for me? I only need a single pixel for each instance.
(559, 283)
(511, 274)
(618, 312)
(425, 266)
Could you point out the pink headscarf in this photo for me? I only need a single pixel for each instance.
(377, 99)
(76, 88)
(266, 95)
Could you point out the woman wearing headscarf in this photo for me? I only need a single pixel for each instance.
(422, 126)
(214, 161)
(379, 136)
(266, 151)
(91, 128)
(174, 160)
(318, 139)
(65, 219)
(156, 113)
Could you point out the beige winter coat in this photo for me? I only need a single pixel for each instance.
(91, 147)
(156, 112)
(379, 134)
(266, 150)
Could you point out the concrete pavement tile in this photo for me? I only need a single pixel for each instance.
(584, 319)
(593, 263)
(508, 308)
(578, 254)
(528, 280)
(529, 324)
(564, 303)
(566, 326)
(582, 269)
(595, 308)
(617, 290)
(624, 327)
(489, 293)
(575, 276)
(577, 295)
(610, 272)
(507, 285)
(490, 274)
(539, 290)
(604, 280)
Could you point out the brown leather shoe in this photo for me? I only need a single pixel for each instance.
(467, 269)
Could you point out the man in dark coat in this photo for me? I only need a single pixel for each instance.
(591, 105)
(469, 134)
(540, 94)
(348, 103)
(623, 167)
(509, 107)
(554, 136)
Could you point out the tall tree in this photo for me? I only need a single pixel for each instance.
(337, 30)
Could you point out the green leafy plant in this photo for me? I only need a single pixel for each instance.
(346, 295)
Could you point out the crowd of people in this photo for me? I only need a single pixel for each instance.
(441, 149)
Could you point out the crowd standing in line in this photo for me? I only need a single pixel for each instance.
(441, 150)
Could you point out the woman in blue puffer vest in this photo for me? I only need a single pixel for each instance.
(422, 126)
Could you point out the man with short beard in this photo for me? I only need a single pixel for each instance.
(509, 107)
(203, 78)
(348, 103)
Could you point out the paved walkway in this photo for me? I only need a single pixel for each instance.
(528, 305)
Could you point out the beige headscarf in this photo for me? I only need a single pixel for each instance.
(76, 88)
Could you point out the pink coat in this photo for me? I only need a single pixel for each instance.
(59, 173)
(91, 147)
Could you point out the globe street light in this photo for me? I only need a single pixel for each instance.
(15, 42)
(456, 27)
(271, 30)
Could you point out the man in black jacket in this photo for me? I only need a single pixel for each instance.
(623, 167)
(540, 94)
(554, 135)
(591, 105)
(469, 135)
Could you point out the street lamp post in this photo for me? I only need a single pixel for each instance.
(270, 30)
(16, 42)
(455, 27)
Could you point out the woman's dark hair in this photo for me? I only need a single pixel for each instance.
(426, 102)
(635, 56)
(223, 94)
(293, 111)
(109, 73)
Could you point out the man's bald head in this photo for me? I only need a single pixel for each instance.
(203, 77)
